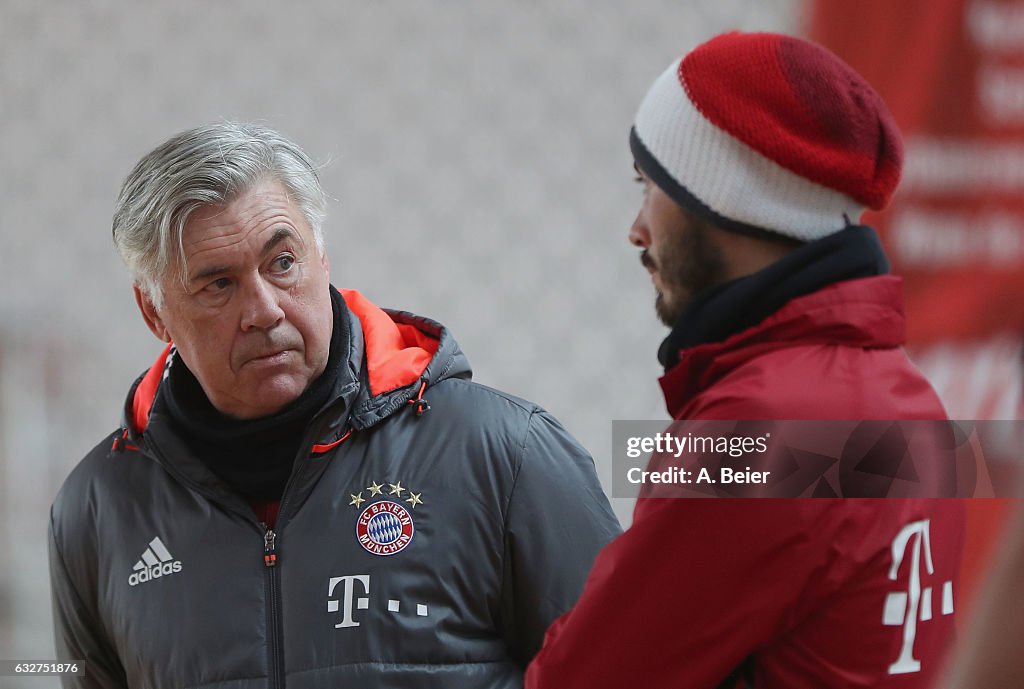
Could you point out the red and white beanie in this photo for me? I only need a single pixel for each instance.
(759, 131)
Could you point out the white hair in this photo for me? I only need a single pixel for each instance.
(212, 164)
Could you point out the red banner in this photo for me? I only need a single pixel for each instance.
(952, 71)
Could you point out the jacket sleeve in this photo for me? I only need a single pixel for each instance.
(557, 520)
(78, 634)
(673, 601)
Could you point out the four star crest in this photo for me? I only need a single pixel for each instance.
(396, 489)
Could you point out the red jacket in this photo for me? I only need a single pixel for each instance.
(805, 594)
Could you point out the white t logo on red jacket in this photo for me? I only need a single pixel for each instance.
(907, 608)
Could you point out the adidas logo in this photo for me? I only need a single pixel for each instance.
(156, 562)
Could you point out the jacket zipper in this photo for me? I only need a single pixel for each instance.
(270, 561)
(274, 631)
(273, 607)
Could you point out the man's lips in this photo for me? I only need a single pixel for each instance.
(271, 358)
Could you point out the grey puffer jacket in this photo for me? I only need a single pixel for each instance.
(429, 533)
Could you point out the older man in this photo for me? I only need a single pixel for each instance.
(306, 490)
(757, 154)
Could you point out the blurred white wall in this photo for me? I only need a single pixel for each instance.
(477, 153)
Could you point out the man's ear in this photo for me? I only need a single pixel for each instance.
(326, 264)
(150, 314)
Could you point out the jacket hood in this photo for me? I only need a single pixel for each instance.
(866, 313)
(395, 355)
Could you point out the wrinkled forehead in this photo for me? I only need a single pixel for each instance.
(263, 214)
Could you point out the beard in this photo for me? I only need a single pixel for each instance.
(689, 263)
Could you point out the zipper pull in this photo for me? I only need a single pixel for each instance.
(269, 539)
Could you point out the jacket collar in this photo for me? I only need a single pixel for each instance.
(866, 312)
(722, 311)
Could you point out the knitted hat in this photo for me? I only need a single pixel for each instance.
(762, 132)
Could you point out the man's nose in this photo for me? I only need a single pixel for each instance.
(639, 235)
(260, 309)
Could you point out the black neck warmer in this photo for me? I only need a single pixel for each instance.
(254, 457)
(729, 308)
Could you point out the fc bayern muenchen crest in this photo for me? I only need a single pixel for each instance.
(384, 528)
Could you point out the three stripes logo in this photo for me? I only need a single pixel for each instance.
(156, 562)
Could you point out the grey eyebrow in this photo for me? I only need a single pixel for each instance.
(280, 235)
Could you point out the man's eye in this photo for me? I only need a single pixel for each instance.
(218, 285)
(283, 263)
